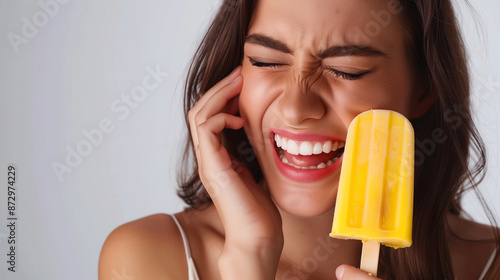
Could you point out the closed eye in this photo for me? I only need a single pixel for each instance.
(264, 64)
(335, 73)
(345, 75)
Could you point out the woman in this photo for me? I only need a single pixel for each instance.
(307, 69)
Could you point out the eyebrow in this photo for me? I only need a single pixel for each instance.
(267, 42)
(334, 51)
(351, 50)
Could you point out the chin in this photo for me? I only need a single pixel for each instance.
(296, 197)
(304, 203)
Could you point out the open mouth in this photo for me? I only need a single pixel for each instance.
(308, 154)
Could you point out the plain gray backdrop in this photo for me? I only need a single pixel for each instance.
(91, 117)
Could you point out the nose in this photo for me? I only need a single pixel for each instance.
(300, 101)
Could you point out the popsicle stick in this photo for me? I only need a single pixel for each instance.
(369, 257)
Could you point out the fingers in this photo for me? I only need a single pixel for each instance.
(209, 117)
(218, 102)
(224, 82)
(208, 134)
(217, 99)
(347, 272)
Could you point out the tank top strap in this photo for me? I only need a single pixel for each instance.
(193, 274)
(488, 264)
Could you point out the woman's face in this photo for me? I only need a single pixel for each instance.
(309, 68)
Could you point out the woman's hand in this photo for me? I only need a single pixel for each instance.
(252, 224)
(347, 272)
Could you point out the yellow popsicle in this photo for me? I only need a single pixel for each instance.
(375, 195)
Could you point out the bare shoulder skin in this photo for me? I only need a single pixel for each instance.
(471, 245)
(152, 247)
(147, 248)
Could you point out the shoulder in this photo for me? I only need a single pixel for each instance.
(471, 246)
(147, 248)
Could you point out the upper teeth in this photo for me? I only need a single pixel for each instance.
(307, 148)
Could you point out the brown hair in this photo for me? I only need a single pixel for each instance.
(442, 174)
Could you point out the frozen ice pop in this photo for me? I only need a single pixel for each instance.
(375, 193)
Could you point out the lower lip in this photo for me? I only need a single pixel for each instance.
(304, 175)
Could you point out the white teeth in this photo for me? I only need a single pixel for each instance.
(327, 147)
(335, 145)
(318, 148)
(321, 165)
(306, 149)
(292, 147)
(277, 139)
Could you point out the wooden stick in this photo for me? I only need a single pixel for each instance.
(369, 257)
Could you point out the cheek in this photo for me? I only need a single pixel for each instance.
(256, 100)
(252, 108)
(381, 91)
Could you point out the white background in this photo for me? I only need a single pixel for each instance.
(64, 76)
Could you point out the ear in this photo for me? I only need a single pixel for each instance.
(424, 96)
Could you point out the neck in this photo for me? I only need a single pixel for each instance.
(308, 248)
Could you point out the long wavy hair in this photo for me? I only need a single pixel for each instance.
(442, 173)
